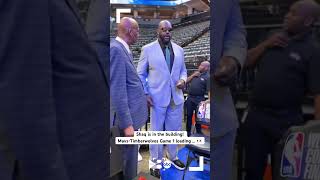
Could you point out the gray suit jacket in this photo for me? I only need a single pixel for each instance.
(129, 103)
(161, 84)
(229, 39)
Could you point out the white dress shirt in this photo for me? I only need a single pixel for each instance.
(123, 43)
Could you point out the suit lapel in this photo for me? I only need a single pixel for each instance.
(163, 59)
(175, 52)
(75, 10)
(127, 53)
(130, 59)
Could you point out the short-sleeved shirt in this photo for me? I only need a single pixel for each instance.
(285, 75)
(199, 85)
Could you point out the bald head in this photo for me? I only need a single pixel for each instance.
(164, 31)
(204, 66)
(206, 63)
(128, 30)
(301, 16)
(309, 8)
(164, 23)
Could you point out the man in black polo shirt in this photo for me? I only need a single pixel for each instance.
(197, 87)
(288, 64)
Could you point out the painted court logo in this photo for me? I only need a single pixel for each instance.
(292, 155)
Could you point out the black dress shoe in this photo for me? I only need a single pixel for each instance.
(178, 164)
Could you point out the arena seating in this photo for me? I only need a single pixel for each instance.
(186, 33)
(193, 17)
(181, 35)
(190, 32)
(194, 38)
(196, 52)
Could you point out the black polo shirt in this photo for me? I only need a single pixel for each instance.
(285, 75)
(199, 85)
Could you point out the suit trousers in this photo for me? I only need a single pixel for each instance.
(130, 161)
(262, 131)
(191, 107)
(223, 155)
(168, 119)
(7, 161)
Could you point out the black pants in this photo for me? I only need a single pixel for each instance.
(262, 131)
(191, 107)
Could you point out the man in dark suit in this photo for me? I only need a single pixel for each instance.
(229, 53)
(53, 110)
(129, 103)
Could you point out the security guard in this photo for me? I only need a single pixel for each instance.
(197, 86)
(288, 65)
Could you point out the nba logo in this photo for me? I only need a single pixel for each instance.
(292, 155)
